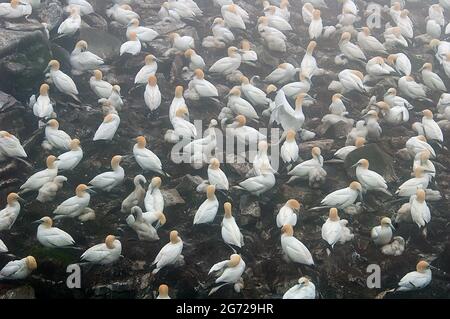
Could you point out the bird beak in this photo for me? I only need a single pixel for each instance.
(392, 227)
(343, 98)
(20, 199)
(46, 69)
(158, 60)
(432, 267)
(90, 190)
(37, 221)
(355, 165)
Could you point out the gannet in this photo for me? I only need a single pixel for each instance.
(15, 9)
(76, 206)
(201, 86)
(141, 226)
(307, 13)
(163, 292)
(294, 250)
(108, 128)
(417, 144)
(18, 269)
(221, 32)
(208, 209)
(83, 6)
(405, 24)
(422, 159)
(136, 197)
(182, 43)
(259, 184)
(377, 69)
(400, 62)
(71, 24)
(309, 63)
(343, 152)
(82, 60)
(43, 106)
(244, 134)
(274, 39)
(232, 17)
(335, 229)
(182, 128)
(69, 160)
(154, 200)
(420, 180)
(229, 272)
(50, 236)
(305, 289)
(108, 180)
(146, 159)
(216, 176)
(351, 80)
(411, 88)
(239, 106)
(394, 248)
(150, 68)
(446, 63)
(48, 191)
(285, 115)
(170, 253)
(289, 151)
(123, 14)
(261, 159)
(430, 128)
(56, 138)
(431, 79)
(344, 197)
(374, 130)
(104, 253)
(294, 89)
(392, 99)
(37, 180)
(275, 20)
(337, 106)
(370, 180)
(420, 212)
(350, 50)
(9, 214)
(133, 46)
(247, 54)
(195, 60)
(228, 64)
(144, 34)
(416, 280)
(230, 230)
(10, 146)
(382, 234)
(115, 99)
(255, 95)
(436, 13)
(152, 95)
(200, 150)
(315, 27)
(62, 81)
(395, 115)
(285, 72)
(288, 213)
(393, 38)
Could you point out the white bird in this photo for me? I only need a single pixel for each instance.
(394, 115)
(405, 24)
(393, 38)
(429, 128)
(141, 226)
(239, 106)
(316, 26)
(276, 21)
(15, 9)
(446, 63)
(100, 87)
(411, 88)
(71, 24)
(201, 149)
(108, 128)
(108, 180)
(56, 138)
(294, 89)
(369, 43)
(182, 43)
(376, 68)
(417, 144)
(305, 289)
(62, 81)
(221, 31)
(370, 180)
(259, 184)
(431, 79)
(150, 68)
(83, 6)
(146, 159)
(343, 152)
(344, 197)
(232, 17)
(288, 213)
(3, 248)
(334, 229)
(115, 99)
(274, 39)
(10, 146)
(133, 46)
(105, 253)
(18, 269)
(420, 180)
(254, 95)
(229, 272)
(182, 128)
(144, 34)
(400, 62)
(392, 99)
(261, 159)
(154, 200)
(285, 72)
(351, 80)
(433, 29)
(170, 253)
(136, 197)
(48, 191)
(350, 50)
(37, 180)
(228, 64)
(309, 63)
(82, 60)
(9, 214)
(152, 95)
(208, 209)
(285, 115)
(50, 236)
(293, 248)
(195, 60)
(69, 160)
(201, 86)
(416, 280)
(307, 13)
(247, 54)
(76, 206)
(230, 230)
(216, 176)
(289, 151)
(163, 292)
(436, 13)
(122, 13)
(382, 234)
(43, 107)
(309, 169)
(420, 212)
(422, 159)
(394, 248)
(337, 106)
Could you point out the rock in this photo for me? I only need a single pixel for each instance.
(249, 207)
(23, 292)
(172, 197)
(7, 102)
(403, 154)
(51, 13)
(23, 57)
(324, 145)
(187, 184)
(379, 161)
(104, 44)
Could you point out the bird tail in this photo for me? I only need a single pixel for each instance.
(216, 288)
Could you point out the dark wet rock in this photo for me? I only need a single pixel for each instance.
(7, 102)
(172, 197)
(102, 43)
(338, 130)
(22, 292)
(124, 289)
(249, 209)
(187, 184)
(379, 161)
(324, 145)
(96, 21)
(51, 13)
